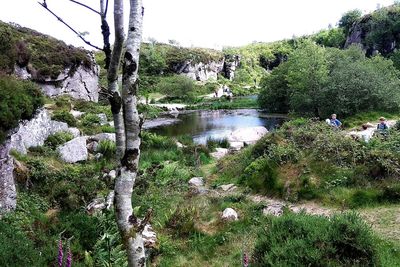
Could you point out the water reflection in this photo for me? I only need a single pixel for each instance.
(217, 124)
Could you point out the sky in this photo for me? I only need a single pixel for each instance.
(200, 23)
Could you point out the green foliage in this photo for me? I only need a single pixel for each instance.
(64, 116)
(108, 148)
(26, 47)
(151, 140)
(261, 176)
(334, 37)
(214, 143)
(177, 87)
(18, 101)
(318, 81)
(348, 19)
(90, 119)
(182, 221)
(16, 249)
(70, 187)
(317, 241)
(57, 139)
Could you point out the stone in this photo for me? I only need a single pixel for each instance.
(228, 187)
(180, 145)
(8, 193)
(200, 71)
(196, 181)
(92, 146)
(231, 63)
(149, 236)
(112, 174)
(248, 135)
(103, 136)
(219, 153)
(97, 205)
(274, 209)
(80, 84)
(76, 113)
(74, 131)
(34, 132)
(229, 214)
(236, 146)
(110, 200)
(22, 73)
(103, 118)
(74, 150)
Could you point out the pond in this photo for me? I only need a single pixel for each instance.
(216, 124)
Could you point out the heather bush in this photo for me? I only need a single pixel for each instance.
(64, 116)
(57, 139)
(304, 240)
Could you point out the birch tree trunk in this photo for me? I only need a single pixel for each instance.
(112, 76)
(128, 121)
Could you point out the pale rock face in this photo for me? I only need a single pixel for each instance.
(103, 118)
(83, 84)
(230, 65)
(201, 71)
(274, 209)
(74, 131)
(76, 113)
(103, 136)
(8, 193)
(248, 135)
(228, 187)
(22, 73)
(35, 131)
(229, 214)
(219, 153)
(74, 150)
(196, 181)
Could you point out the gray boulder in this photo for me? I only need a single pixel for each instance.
(103, 136)
(229, 214)
(103, 118)
(74, 150)
(196, 181)
(35, 131)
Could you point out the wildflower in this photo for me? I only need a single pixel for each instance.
(60, 253)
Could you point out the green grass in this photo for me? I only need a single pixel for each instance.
(372, 117)
(222, 103)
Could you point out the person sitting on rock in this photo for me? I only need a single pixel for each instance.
(335, 122)
(382, 125)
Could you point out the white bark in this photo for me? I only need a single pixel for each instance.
(112, 76)
(128, 224)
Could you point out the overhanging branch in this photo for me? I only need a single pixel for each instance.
(88, 7)
(66, 24)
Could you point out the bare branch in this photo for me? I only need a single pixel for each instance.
(88, 7)
(66, 24)
(105, 12)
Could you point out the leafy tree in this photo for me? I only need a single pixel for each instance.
(334, 37)
(348, 19)
(307, 76)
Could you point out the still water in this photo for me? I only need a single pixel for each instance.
(217, 124)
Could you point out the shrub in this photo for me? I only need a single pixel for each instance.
(182, 221)
(108, 148)
(90, 119)
(152, 140)
(64, 116)
(303, 240)
(261, 176)
(283, 153)
(214, 143)
(18, 100)
(57, 139)
(16, 249)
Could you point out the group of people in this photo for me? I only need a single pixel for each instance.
(367, 130)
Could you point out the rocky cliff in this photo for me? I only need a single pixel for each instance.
(58, 68)
(377, 32)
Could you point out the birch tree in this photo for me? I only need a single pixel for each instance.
(127, 120)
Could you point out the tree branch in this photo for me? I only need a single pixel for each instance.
(66, 24)
(105, 12)
(88, 7)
